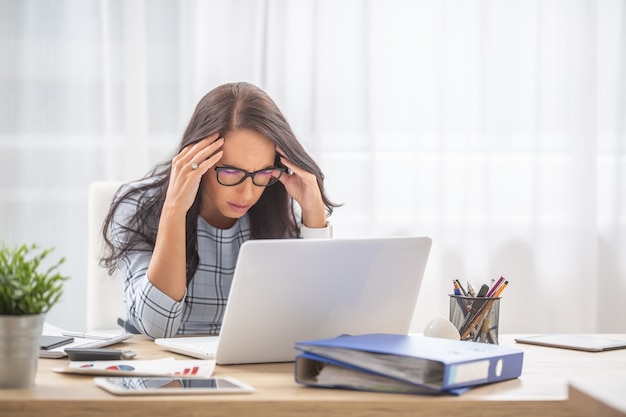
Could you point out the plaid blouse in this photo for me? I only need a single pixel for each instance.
(201, 310)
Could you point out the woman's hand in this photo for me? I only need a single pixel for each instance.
(188, 167)
(167, 269)
(302, 186)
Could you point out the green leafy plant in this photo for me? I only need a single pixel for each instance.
(24, 289)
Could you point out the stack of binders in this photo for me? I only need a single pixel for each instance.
(409, 364)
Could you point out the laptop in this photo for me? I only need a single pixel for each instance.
(289, 290)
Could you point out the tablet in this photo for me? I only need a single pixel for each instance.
(169, 386)
(571, 341)
(51, 342)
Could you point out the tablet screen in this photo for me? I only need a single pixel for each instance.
(172, 385)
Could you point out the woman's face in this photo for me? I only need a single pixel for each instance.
(244, 149)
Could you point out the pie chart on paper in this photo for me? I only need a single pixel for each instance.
(120, 368)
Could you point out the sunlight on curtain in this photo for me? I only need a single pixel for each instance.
(495, 127)
(482, 125)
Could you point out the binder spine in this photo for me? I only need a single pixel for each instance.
(483, 371)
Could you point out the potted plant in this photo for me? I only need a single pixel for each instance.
(26, 294)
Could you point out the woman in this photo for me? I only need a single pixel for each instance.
(175, 235)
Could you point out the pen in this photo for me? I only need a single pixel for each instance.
(461, 287)
(476, 307)
(494, 288)
(85, 335)
(484, 330)
(483, 291)
(471, 289)
(491, 335)
(462, 303)
(485, 306)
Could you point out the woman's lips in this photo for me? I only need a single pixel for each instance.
(239, 208)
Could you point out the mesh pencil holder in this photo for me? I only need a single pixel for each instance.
(476, 318)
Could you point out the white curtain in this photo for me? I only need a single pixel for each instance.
(495, 127)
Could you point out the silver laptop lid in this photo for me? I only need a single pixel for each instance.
(285, 291)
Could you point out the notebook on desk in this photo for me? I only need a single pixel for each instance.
(286, 290)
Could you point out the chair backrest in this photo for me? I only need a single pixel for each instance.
(104, 292)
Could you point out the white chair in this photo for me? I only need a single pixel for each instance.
(104, 292)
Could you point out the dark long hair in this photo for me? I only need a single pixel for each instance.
(226, 108)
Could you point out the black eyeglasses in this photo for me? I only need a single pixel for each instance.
(262, 178)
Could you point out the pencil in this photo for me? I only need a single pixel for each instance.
(483, 308)
(495, 287)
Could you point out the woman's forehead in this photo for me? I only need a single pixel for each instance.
(247, 149)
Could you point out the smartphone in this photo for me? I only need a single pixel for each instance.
(98, 354)
(170, 386)
(50, 342)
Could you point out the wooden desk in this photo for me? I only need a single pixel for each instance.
(542, 390)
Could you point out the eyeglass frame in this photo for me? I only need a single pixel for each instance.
(247, 174)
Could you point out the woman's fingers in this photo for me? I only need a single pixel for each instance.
(189, 166)
(204, 149)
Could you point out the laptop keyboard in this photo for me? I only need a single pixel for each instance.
(197, 347)
(209, 346)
